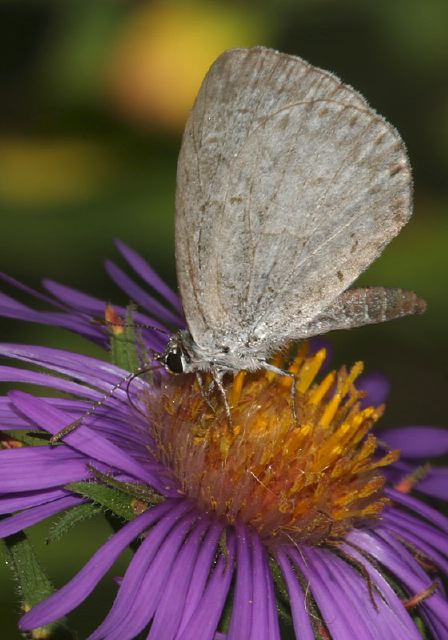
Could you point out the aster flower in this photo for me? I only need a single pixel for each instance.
(240, 529)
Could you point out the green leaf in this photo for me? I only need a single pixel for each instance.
(28, 438)
(224, 622)
(282, 596)
(71, 518)
(120, 503)
(34, 585)
(139, 491)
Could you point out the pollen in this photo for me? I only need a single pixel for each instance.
(304, 474)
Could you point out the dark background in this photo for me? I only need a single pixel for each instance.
(94, 95)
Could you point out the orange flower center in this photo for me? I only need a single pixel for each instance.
(307, 478)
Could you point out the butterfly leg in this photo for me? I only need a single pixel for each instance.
(205, 391)
(218, 375)
(289, 374)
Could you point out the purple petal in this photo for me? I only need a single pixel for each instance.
(264, 610)
(153, 585)
(83, 368)
(13, 422)
(435, 483)
(10, 418)
(417, 442)
(79, 324)
(273, 617)
(10, 503)
(119, 418)
(75, 299)
(434, 516)
(241, 621)
(11, 305)
(28, 290)
(77, 309)
(375, 612)
(84, 439)
(12, 374)
(31, 516)
(394, 557)
(201, 574)
(33, 468)
(145, 579)
(141, 297)
(421, 529)
(404, 533)
(95, 372)
(10, 308)
(204, 620)
(300, 617)
(377, 388)
(391, 599)
(437, 630)
(260, 603)
(96, 307)
(333, 603)
(77, 590)
(391, 553)
(147, 273)
(115, 424)
(172, 603)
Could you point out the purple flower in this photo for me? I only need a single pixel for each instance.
(317, 521)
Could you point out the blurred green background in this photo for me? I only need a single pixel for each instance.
(94, 96)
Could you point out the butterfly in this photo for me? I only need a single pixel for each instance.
(288, 187)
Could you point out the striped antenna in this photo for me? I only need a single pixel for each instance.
(113, 319)
(69, 428)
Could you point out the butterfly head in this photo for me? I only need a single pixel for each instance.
(177, 358)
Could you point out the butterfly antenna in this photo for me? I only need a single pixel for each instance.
(139, 372)
(122, 323)
(55, 438)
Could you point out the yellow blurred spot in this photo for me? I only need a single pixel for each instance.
(164, 51)
(51, 172)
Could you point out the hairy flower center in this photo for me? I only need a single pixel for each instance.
(306, 479)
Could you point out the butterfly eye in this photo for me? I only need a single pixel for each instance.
(174, 362)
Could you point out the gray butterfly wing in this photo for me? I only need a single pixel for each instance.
(289, 185)
(368, 305)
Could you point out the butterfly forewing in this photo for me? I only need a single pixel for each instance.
(289, 186)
